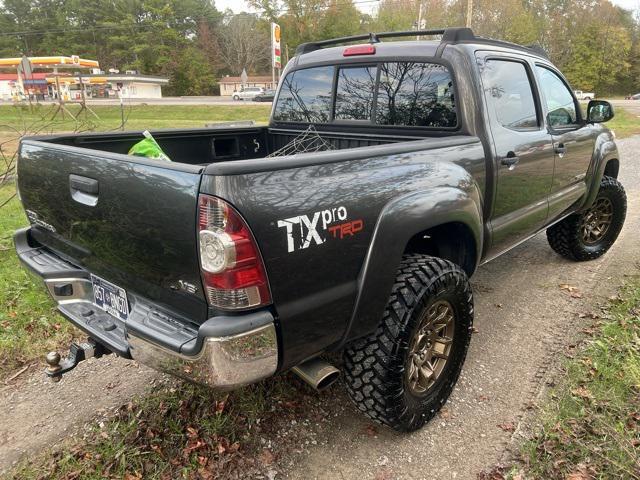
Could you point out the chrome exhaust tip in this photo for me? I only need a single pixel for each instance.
(317, 373)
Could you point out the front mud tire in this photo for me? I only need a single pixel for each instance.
(378, 369)
(576, 240)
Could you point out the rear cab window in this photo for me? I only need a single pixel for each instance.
(402, 94)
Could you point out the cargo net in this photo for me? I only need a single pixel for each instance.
(308, 141)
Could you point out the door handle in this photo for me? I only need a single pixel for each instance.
(84, 190)
(560, 150)
(510, 160)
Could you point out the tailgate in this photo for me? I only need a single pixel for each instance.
(126, 219)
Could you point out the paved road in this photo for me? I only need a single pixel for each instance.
(523, 319)
(632, 106)
(217, 100)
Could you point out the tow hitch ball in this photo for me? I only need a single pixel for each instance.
(77, 353)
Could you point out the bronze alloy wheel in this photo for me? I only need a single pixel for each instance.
(596, 221)
(430, 347)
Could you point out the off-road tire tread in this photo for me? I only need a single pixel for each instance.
(565, 239)
(372, 370)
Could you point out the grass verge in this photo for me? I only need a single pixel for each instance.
(29, 324)
(138, 117)
(624, 124)
(590, 427)
(185, 431)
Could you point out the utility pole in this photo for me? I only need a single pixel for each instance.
(469, 12)
(419, 24)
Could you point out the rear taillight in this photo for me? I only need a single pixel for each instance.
(232, 268)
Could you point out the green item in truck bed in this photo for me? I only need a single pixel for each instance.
(148, 148)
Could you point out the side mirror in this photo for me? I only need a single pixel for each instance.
(599, 111)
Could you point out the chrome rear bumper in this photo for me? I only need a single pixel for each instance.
(224, 363)
(225, 352)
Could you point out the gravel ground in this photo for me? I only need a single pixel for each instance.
(524, 322)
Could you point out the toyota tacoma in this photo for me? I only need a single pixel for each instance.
(351, 223)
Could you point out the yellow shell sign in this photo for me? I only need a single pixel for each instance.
(276, 33)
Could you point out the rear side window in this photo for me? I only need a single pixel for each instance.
(415, 94)
(354, 93)
(305, 96)
(508, 88)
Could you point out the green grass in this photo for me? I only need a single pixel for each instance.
(624, 124)
(29, 325)
(139, 117)
(591, 423)
(182, 431)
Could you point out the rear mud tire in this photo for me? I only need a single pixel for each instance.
(377, 368)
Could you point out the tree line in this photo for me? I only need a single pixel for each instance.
(596, 44)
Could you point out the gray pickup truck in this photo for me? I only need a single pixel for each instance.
(351, 223)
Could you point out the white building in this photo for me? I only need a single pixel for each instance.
(136, 86)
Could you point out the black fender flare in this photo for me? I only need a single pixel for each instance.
(398, 222)
(604, 151)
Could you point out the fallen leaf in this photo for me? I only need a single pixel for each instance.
(220, 404)
(266, 457)
(507, 426)
(445, 413)
(568, 288)
(582, 392)
(384, 474)
(371, 430)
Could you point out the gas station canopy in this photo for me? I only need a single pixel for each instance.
(51, 62)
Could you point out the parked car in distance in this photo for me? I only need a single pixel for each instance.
(351, 223)
(247, 93)
(266, 96)
(580, 95)
(633, 97)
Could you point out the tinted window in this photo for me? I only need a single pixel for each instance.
(561, 109)
(305, 96)
(508, 88)
(354, 94)
(415, 94)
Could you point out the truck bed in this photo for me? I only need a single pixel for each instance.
(207, 146)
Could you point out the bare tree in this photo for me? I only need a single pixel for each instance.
(244, 43)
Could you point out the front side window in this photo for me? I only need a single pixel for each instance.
(354, 93)
(508, 88)
(561, 108)
(305, 96)
(415, 94)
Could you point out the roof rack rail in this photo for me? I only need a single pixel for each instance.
(449, 35)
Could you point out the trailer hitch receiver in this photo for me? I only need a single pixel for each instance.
(77, 353)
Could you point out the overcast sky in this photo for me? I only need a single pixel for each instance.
(369, 6)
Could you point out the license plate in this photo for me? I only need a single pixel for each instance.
(110, 298)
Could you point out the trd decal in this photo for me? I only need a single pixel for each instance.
(304, 230)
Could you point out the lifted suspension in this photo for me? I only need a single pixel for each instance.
(77, 353)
